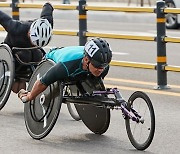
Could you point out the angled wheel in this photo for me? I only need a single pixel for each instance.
(6, 73)
(141, 134)
(96, 119)
(41, 114)
(71, 90)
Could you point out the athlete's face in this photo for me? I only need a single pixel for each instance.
(95, 71)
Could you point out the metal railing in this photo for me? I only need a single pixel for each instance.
(83, 33)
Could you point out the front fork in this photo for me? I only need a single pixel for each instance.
(123, 105)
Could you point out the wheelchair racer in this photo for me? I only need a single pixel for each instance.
(73, 63)
(26, 34)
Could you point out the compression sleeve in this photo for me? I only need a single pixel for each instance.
(56, 73)
(6, 21)
(47, 13)
(12, 26)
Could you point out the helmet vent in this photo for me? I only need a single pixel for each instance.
(40, 32)
(43, 42)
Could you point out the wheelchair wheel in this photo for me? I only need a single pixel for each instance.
(72, 90)
(41, 114)
(6, 73)
(141, 134)
(96, 119)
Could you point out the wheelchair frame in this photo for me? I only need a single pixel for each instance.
(93, 105)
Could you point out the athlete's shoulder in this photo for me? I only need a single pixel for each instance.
(66, 53)
(69, 48)
(74, 48)
(72, 53)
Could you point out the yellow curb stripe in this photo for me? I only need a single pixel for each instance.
(120, 9)
(144, 90)
(161, 59)
(132, 64)
(137, 82)
(120, 36)
(161, 20)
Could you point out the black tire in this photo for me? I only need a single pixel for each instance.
(6, 74)
(171, 19)
(96, 119)
(41, 114)
(72, 91)
(144, 136)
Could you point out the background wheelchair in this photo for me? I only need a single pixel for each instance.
(93, 103)
(16, 64)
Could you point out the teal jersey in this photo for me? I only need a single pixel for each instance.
(69, 61)
(69, 65)
(66, 54)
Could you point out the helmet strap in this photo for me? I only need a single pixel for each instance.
(87, 65)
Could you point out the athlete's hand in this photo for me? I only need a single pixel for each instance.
(23, 95)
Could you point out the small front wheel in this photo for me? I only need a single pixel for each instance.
(141, 133)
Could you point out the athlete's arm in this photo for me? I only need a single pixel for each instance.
(36, 90)
(55, 73)
(12, 26)
(47, 13)
(6, 21)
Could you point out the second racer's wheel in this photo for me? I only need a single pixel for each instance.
(6, 73)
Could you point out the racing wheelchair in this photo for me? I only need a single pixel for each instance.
(16, 64)
(19, 64)
(93, 103)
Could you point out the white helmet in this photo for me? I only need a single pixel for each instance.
(40, 32)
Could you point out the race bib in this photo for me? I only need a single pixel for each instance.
(91, 48)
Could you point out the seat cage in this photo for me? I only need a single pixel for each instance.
(28, 56)
(26, 60)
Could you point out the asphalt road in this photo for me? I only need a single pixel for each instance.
(69, 136)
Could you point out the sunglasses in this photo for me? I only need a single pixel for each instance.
(99, 66)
